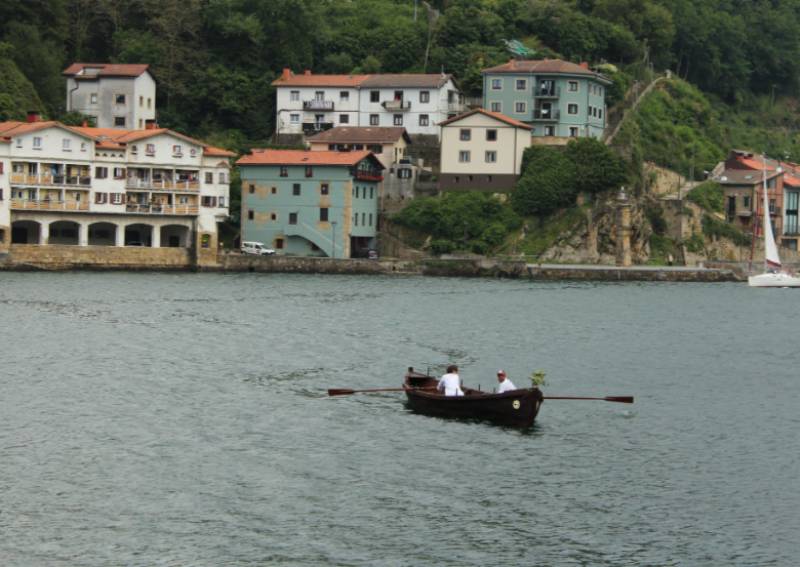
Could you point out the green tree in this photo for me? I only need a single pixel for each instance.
(598, 168)
(547, 183)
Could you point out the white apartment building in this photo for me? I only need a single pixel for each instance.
(308, 104)
(115, 95)
(108, 187)
(482, 150)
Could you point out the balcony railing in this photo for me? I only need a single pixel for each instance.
(317, 104)
(48, 179)
(457, 107)
(161, 209)
(368, 176)
(48, 205)
(138, 183)
(397, 105)
(546, 115)
(547, 92)
(310, 128)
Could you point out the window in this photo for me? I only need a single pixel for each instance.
(323, 214)
(100, 172)
(746, 201)
(292, 218)
(398, 119)
(100, 198)
(372, 192)
(355, 219)
(600, 113)
(370, 219)
(374, 96)
(119, 173)
(465, 135)
(19, 142)
(149, 102)
(119, 121)
(549, 131)
(223, 177)
(309, 171)
(116, 198)
(120, 99)
(221, 201)
(491, 157)
(273, 216)
(37, 143)
(279, 243)
(284, 173)
(424, 96)
(193, 152)
(364, 219)
(177, 151)
(93, 98)
(463, 156)
(491, 135)
(150, 149)
(294, 96)
(324, 189)
(573, 132)
(296, 189)
(572, 108)
(496, 107)
(573, 86)
(404, 173)
(497, 84)
(375, 148)
(207, 201)
(65, 145)
(374, 119)
(83, 146)
(274, 191)
(250, 214)
(344, 96)
(520, 107)
(210, 178)
(424, 120)
(294, 118)
(521, 84)
(344, 119)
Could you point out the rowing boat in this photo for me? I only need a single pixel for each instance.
(517, 408)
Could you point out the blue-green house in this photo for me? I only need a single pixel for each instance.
(558, 98)
(311, 203)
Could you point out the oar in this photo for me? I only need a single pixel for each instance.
(347, 391)
(621, 399)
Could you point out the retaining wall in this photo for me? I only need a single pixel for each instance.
(64, 257)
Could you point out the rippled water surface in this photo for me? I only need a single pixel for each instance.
(179, 419)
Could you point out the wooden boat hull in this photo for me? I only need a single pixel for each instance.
(517, 408)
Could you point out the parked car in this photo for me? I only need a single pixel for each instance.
(256, 248)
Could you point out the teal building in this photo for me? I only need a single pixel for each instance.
(311, 203)
(557, 98)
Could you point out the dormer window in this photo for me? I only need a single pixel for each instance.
(150, 149)
(176, 150)
(37, 143)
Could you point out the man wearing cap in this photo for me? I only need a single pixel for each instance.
(505, 383)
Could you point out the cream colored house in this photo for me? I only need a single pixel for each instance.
(389, 144)
(482, 150)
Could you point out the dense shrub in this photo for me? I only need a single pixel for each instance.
(547, 183)
(715, 228)
(598, 168)
(708, 196)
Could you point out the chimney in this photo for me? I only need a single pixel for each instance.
(34, 116)
(150, 124)
(286, 73)
(585, 65)
(307, 72)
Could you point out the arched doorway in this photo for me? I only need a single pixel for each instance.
(175, 236)
(63, 232)
(102, 234)
(25, 232)
(138, 235)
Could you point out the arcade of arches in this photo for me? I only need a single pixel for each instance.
(176, 233)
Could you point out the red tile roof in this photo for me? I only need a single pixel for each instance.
(15, 128)
(303, 157)
(495, 115)
(79, 70)
(545, 67)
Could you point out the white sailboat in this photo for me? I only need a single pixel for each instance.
(772, 276)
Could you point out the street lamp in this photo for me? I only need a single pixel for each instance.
(333, 229)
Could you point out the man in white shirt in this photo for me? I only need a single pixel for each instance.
(505, 383)
(451, 382)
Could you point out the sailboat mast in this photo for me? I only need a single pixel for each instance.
(764, 208)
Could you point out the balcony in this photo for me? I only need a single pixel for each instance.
(368, 176)
(396, 105)
(48, 205)
(147, 184)
(546, 115)
(456, 107)
(318, 104)
(311, 128)
(48, 179)
(547, 92)
(158, 209)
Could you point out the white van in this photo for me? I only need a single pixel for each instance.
(256, 248)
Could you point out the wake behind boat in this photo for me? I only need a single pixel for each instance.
(516, 408)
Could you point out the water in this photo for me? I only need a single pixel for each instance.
(178, 419)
